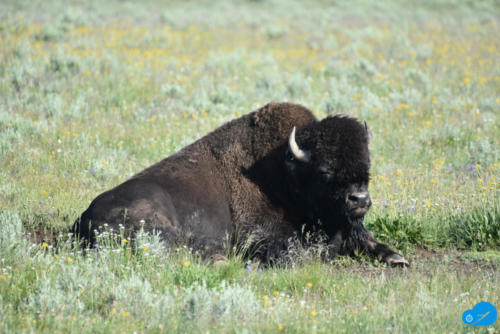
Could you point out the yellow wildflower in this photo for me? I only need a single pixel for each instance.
(187, 263)
(402, 106)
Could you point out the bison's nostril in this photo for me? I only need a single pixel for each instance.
(353, 198)
(359, 199)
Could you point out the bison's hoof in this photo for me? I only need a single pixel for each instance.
(396, 260)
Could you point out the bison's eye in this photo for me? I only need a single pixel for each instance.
(327, 176)
(325, 173)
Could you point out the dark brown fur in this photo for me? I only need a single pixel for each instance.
(240, 182)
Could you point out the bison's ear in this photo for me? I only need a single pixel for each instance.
(369, 134)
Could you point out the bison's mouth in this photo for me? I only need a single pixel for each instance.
(358, 212)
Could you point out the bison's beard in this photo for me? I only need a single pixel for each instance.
(356, 235)
(358, 213)
(355, 220)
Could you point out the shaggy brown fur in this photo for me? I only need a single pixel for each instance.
(241, 181)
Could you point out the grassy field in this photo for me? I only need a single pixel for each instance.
(92, 92)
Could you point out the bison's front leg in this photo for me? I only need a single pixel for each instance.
(365, 241)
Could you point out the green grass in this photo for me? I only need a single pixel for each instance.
(152, 289)
(91, 93)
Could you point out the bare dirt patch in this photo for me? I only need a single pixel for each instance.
(427, 263)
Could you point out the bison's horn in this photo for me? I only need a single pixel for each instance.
(299, 154)
(369, 133)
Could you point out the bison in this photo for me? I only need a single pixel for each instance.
(262, 178)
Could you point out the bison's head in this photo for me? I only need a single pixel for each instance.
(328, 168)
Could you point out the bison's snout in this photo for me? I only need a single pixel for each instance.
(359, 199)
(358, 203)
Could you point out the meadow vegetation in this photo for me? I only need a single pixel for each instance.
(92, 92)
